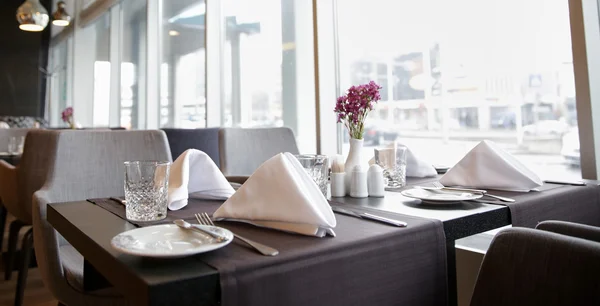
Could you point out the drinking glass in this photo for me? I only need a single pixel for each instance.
(13, 146)
(317, 167)
(146, 190)
(20, 145)
(393, 162)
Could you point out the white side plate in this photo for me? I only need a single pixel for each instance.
(168, 241)
(440, 197)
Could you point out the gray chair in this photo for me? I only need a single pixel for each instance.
(535, 267)
(205, 140)
(241, 151)
(83, 165)
(583, 231)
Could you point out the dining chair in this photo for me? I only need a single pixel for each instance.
(17, 184)
(205, 140)
(83, 165)
(535, 267)
(243, 150)
(572, 229)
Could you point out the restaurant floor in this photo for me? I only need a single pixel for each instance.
(35, 293)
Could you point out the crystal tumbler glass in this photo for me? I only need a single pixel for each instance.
(393, 162)
(317, 167)
(146, 190)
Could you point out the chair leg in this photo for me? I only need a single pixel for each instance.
(2, 224)
(26, 249)
(13, 239)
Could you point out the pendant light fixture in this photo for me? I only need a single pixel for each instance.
(60, 17)
(32, 16)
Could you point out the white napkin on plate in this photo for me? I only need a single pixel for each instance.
(195, 174)
(281, 195)
(489, 166)
(415, 167)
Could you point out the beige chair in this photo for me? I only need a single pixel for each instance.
(17, 185)
(83, 165)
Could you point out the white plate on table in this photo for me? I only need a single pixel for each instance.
(168, 241)
(441, 196)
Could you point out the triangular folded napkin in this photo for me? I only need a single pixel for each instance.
(489, 166)
(196, 175)
(415, 167)
(281, 195)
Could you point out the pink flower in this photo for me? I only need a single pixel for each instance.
(352, 109)
(67, 115)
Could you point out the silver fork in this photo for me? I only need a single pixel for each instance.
(504, 199)
(204, 219)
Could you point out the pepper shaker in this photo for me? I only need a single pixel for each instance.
(376, 185)
(358, 183)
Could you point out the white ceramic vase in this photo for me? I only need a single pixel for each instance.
(354, 158)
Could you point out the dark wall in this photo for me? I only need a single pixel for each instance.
(22, 85)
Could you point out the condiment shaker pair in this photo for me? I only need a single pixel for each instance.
(362, 183)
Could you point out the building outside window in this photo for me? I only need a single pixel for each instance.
(453, 84)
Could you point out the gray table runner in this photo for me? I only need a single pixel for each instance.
(186, 213)
(367, 263)
(579, 204)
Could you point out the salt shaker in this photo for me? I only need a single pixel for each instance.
(375, 183)
(358, 183)
(338, 185)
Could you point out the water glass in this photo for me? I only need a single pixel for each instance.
(393, 162)
(15, 145)
(12, 146)
(146, 190)
(317, 167)
(21, 144)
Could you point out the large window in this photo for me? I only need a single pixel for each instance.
(57, 74)
(101, 31)
(457, 72)
(269, 67)
(182, 72)
(133, 63)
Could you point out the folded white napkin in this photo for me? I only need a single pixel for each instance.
(281, 195)
(489, 166)
(196, 175)
(415, 167)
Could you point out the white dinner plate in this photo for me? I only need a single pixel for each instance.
(168, 241)
(441, 197)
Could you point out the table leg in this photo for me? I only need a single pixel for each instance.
(2, 223)
(452, 282)
(92, 279)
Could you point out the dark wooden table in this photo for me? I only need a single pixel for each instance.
(459, 220)
(90, 228)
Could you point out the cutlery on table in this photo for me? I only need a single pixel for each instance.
(122, 201)
(572, 183)
(261, 248)
(439, 186)
(185, 225)
(368, 216)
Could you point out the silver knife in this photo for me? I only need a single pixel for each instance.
(572, 183)
(368, 216)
